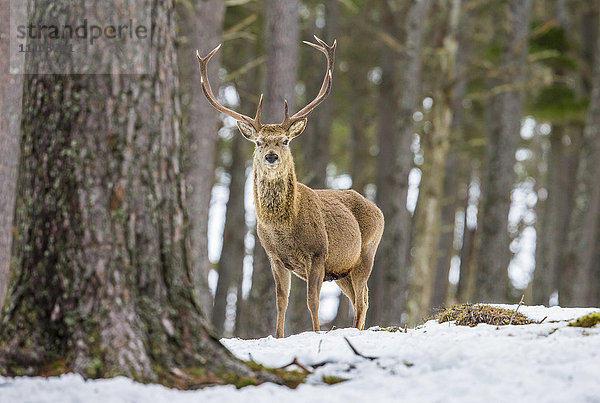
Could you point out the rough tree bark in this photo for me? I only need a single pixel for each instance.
(103, 283)
(200, 23)
(431, 190)
(504, 123)
(390, 272)
(11, 94)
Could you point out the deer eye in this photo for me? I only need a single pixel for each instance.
(285, 142)
(258, 144)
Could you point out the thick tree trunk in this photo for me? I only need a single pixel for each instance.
(201, 24)
(504, 123)
(390, 272)
(103, 284)
(11, 94)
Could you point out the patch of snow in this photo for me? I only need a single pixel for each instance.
(435, 362)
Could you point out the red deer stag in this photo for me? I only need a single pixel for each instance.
(319, 235)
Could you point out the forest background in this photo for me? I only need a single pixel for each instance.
(473, 124)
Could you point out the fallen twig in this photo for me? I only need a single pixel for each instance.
(299, 365)
(357, 352)
(545, 317)
(515, 312)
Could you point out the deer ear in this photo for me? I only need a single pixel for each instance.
(297, 128)
(247, 130)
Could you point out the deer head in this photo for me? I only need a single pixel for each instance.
(272, 140)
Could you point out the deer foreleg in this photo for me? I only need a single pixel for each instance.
(314, 281)
(282, 278)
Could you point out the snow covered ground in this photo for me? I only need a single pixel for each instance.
(547, 362)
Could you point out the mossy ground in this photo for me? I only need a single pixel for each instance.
(591, 320)
(472, 315)
(332, 380)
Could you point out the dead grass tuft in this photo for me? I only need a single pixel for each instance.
(472, 315)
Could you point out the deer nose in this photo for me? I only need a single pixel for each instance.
(271, 158)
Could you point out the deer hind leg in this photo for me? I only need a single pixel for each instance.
(282, 278)
(346, 285)
(359, 278)
(360, 308)
(314, 281)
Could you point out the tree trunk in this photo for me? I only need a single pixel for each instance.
(231, 263)
(283, 33)
(201, 22)
(504, 123)
(466, 281)
(316, 137)
(554, 214)
(343, 317)
(580, 257)
(282, 36)
(431, 189)
(451, 202)
(11, 94)
(387, 145)
(103, 284)
(390, 272)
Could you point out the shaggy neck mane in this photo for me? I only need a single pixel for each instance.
(275, 197)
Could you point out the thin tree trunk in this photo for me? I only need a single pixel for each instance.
(554, 214)
(580, 257)
(231, 263)
(390, 272)
(387, 145)
(103, 284)
(282, 41)
(431, 189)
(451, 201)
(343, 317)
(504, 123)
(316, 137)
(11, 94)
(202, 22)
(359, 150)
(466, 282)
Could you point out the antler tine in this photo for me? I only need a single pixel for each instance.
(286, 112)
(329, 52)
(213, 100)
(259, 109)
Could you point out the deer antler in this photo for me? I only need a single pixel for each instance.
(329, 52)
(212, 99)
